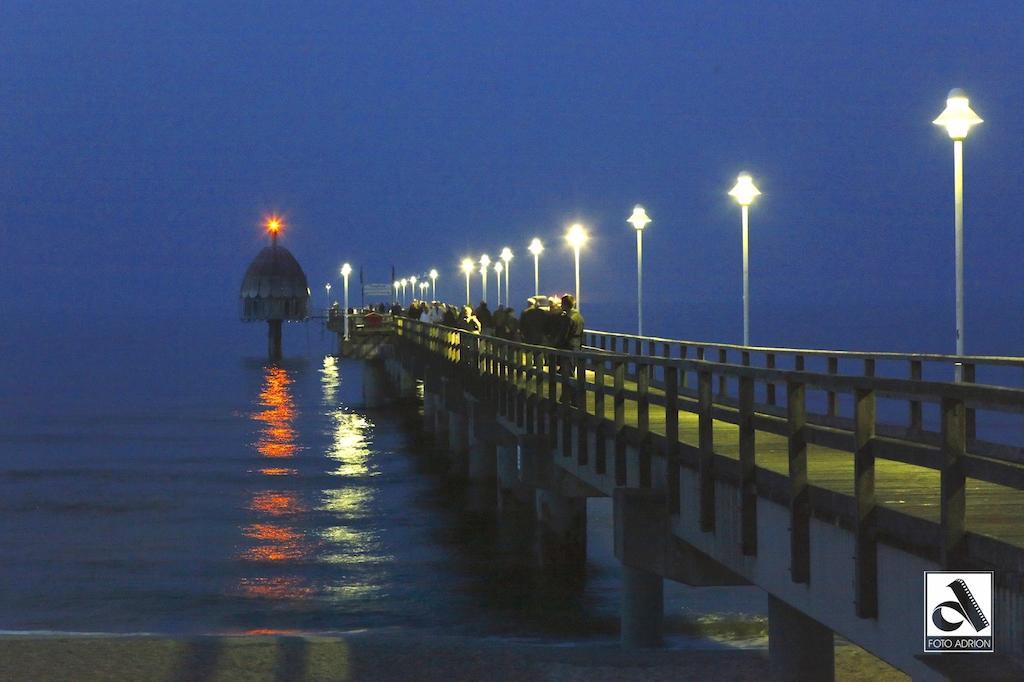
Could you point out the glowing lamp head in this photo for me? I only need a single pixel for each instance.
(467, 266)
(404, 282)
(576, 236)
(536, 247)
(499, 268)
(328, 287)
(506, 254)
(274, 225)
(397, 284)
(412, 280)
(346, 270)
(744, 192)
(958, 117)
(433, 274)
(639, 219)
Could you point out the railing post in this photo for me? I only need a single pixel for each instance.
(619, 368)
(833, 368)
(723, 358)
(599, 411)
(866, 567)
(683, 380)
(915, 405)
(799, 493)
(706, 444)
(770, 386)
(672, 435)
(643, 421)
(953, 481)
(748, 470)
(970, 422)
(580, 400)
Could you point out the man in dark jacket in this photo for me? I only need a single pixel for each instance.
(531, 324)
(570, 332)
(483, 314)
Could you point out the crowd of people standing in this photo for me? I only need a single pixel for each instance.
(546, 321)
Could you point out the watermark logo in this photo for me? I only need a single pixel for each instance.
(958, 611)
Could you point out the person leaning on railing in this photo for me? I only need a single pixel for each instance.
(570, 325)
(468, 321)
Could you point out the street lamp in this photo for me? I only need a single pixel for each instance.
(744, 192)
(536, 248)
(405, 283)
(577, 237)
(957, 118)
(433, 284)
(467, 270)
(498, 268)
(412, 287)
(328, 287)
(639, 221)
(346, 270)
(485, 262)
(397, 284)
(423, 290)
(506, 256)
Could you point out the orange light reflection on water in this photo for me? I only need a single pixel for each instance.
(277, 437)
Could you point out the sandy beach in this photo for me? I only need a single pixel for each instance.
(389, 655)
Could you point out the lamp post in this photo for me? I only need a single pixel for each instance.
(577, 237)
(744, 193)
(536, 248)
(328, 287)
(639, 221)
(957, 118)
(498, 268)
(397, 284)
(405, 283)
(433, 284)
(485, 262)
(346, 270)
(506, 257)
(467, 270)
(412, 287)
(423, 290)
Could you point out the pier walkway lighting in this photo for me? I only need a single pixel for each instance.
(485, 262)
(639, 221)
(412, 287)
(467, 269)
(958, 118)
(498, 269)
(346, 270)
(744, 192)
(536, 248)
(397, 284)
(506, 256)
(433, 284)
(328, 287)
(405, 283)
(577, 237)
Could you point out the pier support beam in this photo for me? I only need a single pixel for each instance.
(406, 383)
(458, 443)
(640, 519)
(513, 495)
(563, 528)
(274, 339)
(375, 384)
(799, 647)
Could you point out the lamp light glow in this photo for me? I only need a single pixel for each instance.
(639, 220)
(467, 269)
(576, 236)
(744, 191)
(957, 118)
(536, 247)
(346, 270)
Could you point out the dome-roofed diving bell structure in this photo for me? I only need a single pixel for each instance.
(274, 289)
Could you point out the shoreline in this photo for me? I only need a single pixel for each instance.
(390, 654)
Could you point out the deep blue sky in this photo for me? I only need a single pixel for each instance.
(140, 145)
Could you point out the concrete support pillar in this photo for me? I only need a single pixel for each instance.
(458, 443)
(274, 339)
(643, 607)
(430, 406)
(640, 518)
(513, 495)
(563, 528)
(375, 384)
(406, 383)
(799, 647)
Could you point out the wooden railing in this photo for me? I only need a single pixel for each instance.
(606, 389)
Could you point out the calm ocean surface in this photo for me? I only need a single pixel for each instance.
(160, 478)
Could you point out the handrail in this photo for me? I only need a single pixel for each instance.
(852, 354)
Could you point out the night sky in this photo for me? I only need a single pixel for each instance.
(141, 144)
